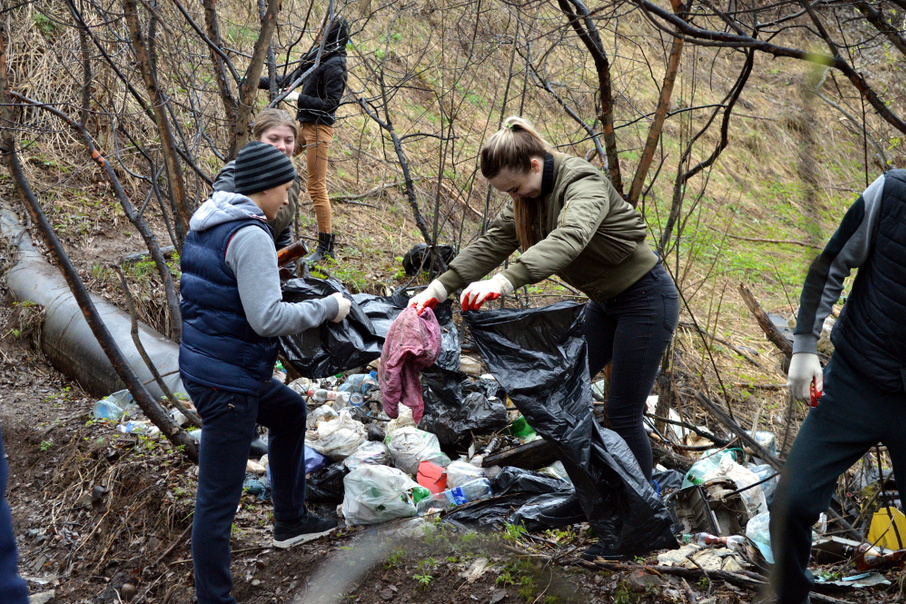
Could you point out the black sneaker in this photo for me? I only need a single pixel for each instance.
(602, 551)
(310, 527)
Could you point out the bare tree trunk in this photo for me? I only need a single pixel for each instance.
(581, 22)
(660, 114)
(177, 191)
(248, 88)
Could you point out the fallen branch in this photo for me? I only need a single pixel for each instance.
(767, 326)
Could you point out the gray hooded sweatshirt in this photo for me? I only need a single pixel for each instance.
(252, 258)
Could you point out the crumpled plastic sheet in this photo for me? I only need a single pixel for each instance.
(539, 356)
(331, 347)
(458, 406)
(337, 438)
(326, 485)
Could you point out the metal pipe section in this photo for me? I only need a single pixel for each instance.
(66, 338)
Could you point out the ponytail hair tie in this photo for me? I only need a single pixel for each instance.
(509, 126)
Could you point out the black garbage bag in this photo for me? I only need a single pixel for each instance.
(331, 347)
(326, 484)
(456, 406)
(488, 514)
(539, 356)
(511, 479)
(549, 510)
(382, 310)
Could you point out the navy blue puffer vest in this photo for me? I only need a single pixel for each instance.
(219, 348)
(871, 331)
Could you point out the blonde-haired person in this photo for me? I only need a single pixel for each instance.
(569, 221)
(278, 128)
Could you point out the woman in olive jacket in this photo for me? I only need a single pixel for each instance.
(569, 221)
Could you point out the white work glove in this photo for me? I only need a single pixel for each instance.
(480, 292)
(429, 297)
(804, 368)
(344, 304)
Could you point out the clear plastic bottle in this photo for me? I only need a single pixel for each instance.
(363, 383)
(323, 395)
(480, 488)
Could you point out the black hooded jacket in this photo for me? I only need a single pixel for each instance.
(323, 88)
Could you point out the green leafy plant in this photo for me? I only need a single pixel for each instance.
(46, 444)
(423, 580)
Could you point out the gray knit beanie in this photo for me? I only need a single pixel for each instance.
(260, 167)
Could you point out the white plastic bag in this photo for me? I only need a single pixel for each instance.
(369, 452)
(410, 446)
(337, 438)
(758, 530)
(753, 497)
(374, 494)
(461, 472)
(320, 414)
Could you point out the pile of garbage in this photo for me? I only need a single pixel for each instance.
(532, 373)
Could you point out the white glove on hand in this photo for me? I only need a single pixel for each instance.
(345, 305)
(804, 367)
(480, 292)
(429, 297)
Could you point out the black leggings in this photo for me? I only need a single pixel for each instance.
(632, 329)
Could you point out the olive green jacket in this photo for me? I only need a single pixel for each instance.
(588, 235)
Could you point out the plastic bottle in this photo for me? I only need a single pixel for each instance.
(363, 383)
(704, 539)
(480, 488)
(323, 395)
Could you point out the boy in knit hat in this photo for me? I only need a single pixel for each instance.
(232, 309)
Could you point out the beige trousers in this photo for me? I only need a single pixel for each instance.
(316, 140)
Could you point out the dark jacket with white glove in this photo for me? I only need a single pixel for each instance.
(871, 331)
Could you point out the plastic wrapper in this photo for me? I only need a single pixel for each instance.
(326, 485)
(752, 497)
(707, 464)
(369, 452)
(460, 472)
(323, 413)
(375, 494)
(331, 347)
(549, 510)
(410, 446)
(519, 480)
(337, 438)
(539, 356)
(456, 406)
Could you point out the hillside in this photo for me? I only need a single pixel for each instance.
(439, 77)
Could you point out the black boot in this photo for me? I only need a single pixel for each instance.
(324, 249)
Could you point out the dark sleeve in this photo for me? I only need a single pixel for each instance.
(225, 180)
(334, 85)
(847, 249)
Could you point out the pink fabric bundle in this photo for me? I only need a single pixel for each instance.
(412, 343)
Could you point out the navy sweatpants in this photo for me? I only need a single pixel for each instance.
(13, 589)
(632, 329)
(229, 420)
(851, 417)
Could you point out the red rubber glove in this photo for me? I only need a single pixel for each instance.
(429, 297)
(480, 292)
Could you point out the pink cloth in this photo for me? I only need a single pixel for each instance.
(412, 343)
